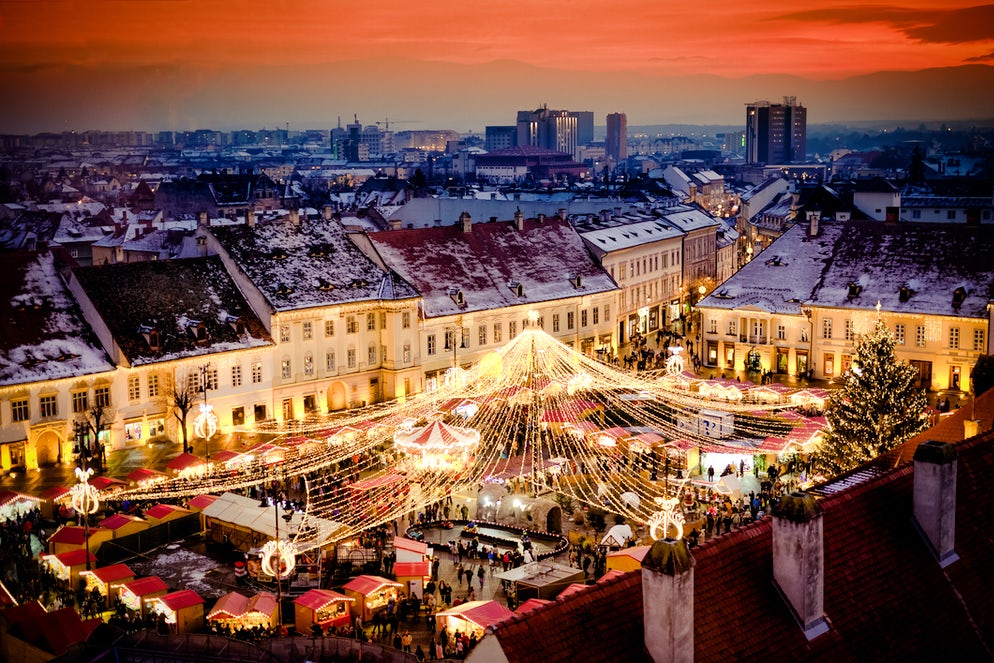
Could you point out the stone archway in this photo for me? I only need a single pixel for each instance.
(554, 520)
(47, 448)
(337, 397)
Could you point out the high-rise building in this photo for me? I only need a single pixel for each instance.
(776, 133)
(557, 130)
(500, 137)
(616, 145)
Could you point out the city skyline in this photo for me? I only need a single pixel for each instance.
(170, 64)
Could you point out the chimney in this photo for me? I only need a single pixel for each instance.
(562, 213)
(814, 216)
(668, 601)
(295, 218)
(892, 215)
(326, 210)
(519, 220)
(396, 224)
(617, 211)
(799, 560)
(541, 218)
(605, 215)
(250, 219)
(935, 497)
(202, 219)
(466, 222)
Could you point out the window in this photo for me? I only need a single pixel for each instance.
(899, 334)
(329, 361)
(482, 336)
(153, 386)
(256, 372)
(583, 318)
(350, 358)
(555, 323)
(329, 328)
(101, 396)
(920, 336)
(596, 315)
(826, 328)
(954, 338)
(383, 320)
(405, 319)
(570, 320)
(407, 353)
(308, 329)
(846, 363)
(284, 333)
(19, 410)
(286, 370)
(351, 326)
(134, 388)
(370, 322)
(238, 416)
(212, 381)
(781, 332)
(732, 328)
(849, 332)
(978, 340)
(607, 312)
(310, 403)
(916, 214)
(80, 400)
(450, 339)
(309, 365)
(512, 329)
(236, 375)
(431, 344)
(371, 355)
(804, 334)
(829, 365)
(951, 214)
(47, 406)
(498, 332)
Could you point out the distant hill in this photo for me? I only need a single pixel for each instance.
(461, 97)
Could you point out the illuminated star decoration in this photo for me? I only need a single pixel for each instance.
(279, 558)
(84, 498)
(205, 425)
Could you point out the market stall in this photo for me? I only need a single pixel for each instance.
(183, 610)
(73, 537)
(122, 525)
(471, 618)
(13, 504)
(323, 607)
(134, 594)
(52, 499)
(236, 611)
(371, 594)
(107, 579)
(161, 513)
(627, 559)
(66, 566)
(543, 580)
(187, 465)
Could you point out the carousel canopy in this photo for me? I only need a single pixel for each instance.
(437, 436)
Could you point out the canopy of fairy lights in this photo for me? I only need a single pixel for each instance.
(535, 412)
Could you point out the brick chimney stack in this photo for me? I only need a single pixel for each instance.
(668, 601)
(519, 220)
(799, 560)
(466, 222)
(935, 497)
(250, 219)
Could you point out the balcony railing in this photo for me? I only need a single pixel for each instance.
(754, 339)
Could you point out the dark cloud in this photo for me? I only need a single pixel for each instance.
(989, 57)
(939, 26)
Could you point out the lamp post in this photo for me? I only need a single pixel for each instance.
(279, 557)
(205, 424)
(85, 501)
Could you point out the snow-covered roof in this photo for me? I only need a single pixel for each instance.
(308, 265)
(689, 218)
(45, 336)
(487, 264)
(171, 297)
(930, 260)
(627, 235)
(423, 212)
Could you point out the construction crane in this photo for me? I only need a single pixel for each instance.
(386, 123)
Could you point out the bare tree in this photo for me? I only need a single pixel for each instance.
(180, 399)
(98, 416)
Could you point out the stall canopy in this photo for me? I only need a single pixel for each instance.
(245, 512)
(367, 584)
(184, 461)
(143, 474)
(14, 504)
(184, 598)
(530, 605)
(480, 613)
(617, 535)
(318, 599)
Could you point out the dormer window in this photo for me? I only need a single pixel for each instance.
(854, 290)
(236, 323)
(197, 330)
(904, 294)
(284, 290)
(151, 336)
(576, 281)
(959, 296)
(325, 286)
(278, 254)
(359, 283)
(517, 288)
(457, 296)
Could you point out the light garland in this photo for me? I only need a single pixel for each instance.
(205, 425)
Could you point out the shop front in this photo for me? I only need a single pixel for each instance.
(371, 594)
(323, 608)
(134, 594)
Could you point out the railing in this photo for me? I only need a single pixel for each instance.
(755, 339)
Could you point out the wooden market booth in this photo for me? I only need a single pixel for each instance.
(67, 566)
(184, 610)
(14, 504)
(371, 594)
(73, 537)
(472, 617)
(627, 559)
(323, 607)
(51, 499)
(543, 580)
(237, 611)
(107, 579)
(134, 594)
(161, 513)
(121, 524)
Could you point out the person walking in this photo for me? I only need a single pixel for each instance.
(480, 575)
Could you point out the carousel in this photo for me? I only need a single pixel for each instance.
(437, 446)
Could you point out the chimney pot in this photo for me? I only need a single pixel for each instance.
(935, 497)
(327, 212)
(295, 217)
(250, 219)
(668, 601)
(466, 221)
(799, 560)
(519, 220)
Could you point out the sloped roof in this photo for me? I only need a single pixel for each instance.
(485, 263)
(307, 265)
(171, 297)
(113, 573)
(184, 598)
(72, 534)
(366, 584)
(119, 520)
(315, 599)
(44, 336)
(148, 585)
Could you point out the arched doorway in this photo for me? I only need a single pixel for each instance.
(337, 397)
(47, 448)
(554, 520)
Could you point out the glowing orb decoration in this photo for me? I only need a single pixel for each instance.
(669, 516)
(674, 365)
(84, 497)
(279, 558)
(438, 446)
(205, 425)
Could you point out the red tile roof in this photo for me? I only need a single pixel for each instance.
(55, 631)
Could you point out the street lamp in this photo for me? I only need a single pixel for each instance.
(85, 501)
(205, 425)
(279, 557)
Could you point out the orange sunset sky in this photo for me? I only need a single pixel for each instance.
(179, 61)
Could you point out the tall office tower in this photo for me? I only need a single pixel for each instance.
(616, 145)
(776, 133)
(548, 129)
(500, 137)
(584, 127)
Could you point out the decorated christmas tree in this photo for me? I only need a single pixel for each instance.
(878, 407)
